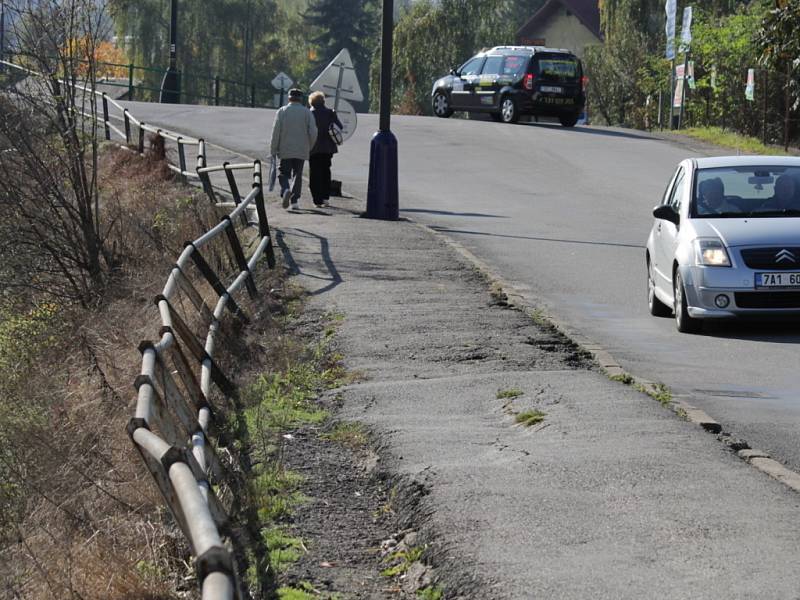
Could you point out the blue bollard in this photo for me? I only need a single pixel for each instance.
(382, 191)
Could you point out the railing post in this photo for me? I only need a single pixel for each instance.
(182, 159)
(241, 261)
(253, 95)
(127, 126)
(237, 197)
(263, 224)
(141, 138)
(130, 81)
(216, 90)
(105, 117)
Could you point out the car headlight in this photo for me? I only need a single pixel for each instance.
(711, 253)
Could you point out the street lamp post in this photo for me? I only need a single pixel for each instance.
(382, 191)
(171, 84)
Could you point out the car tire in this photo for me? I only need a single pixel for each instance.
(568, 121)
(441, 105)
(683, 321)
(509, 113)
(657, 307)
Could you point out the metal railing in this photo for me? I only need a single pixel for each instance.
(174, 423)
(144, 83)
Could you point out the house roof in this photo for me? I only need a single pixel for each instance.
(587, 12)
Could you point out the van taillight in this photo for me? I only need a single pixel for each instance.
(584, 82)
(529, 81)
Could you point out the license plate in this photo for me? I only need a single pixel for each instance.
(552, 89)
(778, 280)
(548, 100)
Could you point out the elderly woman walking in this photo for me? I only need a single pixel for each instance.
(322, 153)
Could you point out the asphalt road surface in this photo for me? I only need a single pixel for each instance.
(564, 215)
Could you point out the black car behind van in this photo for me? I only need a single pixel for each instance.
(510, 81)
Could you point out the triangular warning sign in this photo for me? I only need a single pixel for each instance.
(338, 79)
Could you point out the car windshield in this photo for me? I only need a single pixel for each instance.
(753, 191)
(558, 67)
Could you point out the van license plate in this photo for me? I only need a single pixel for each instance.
(552, 89)
(778, 280)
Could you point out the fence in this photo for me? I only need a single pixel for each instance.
(174, 424)
(144, 83)
(770, 114)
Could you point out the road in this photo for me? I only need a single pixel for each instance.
(564, 215)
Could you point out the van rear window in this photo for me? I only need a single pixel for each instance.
(515, 65)
(558, 69)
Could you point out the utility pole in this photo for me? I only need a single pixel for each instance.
(2, 35)
(171, 84)
(382, 191)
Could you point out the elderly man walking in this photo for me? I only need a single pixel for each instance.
(294, 133)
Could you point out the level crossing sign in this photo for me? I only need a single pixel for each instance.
(338, 81)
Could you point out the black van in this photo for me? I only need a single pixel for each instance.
(510, 81)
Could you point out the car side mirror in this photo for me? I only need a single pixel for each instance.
(667, 213)
(454, 71)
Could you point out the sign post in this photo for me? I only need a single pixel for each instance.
(670, 7)
(282, 82)
(686, 42)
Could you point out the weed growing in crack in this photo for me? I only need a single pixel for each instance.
(403, 560)
(529, 418)
(284, 549)
(659, 391)
(509, 393)
(434, 592)
(625, 378)
(350, 435)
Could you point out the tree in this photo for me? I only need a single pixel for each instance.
(351, 24)
(53, 240)
(432, 37)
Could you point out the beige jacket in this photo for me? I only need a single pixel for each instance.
(293, 132)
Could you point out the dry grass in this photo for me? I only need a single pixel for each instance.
(79, 515)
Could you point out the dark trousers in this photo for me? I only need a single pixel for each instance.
(290, 175)
(319, 176)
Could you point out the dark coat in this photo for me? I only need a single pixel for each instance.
(324, 116)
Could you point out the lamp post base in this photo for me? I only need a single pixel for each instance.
(171, 87)
(382, 191)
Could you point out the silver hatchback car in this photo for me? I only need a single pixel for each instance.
(726, 240)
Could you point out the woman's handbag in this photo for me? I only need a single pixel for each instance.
(336, 134)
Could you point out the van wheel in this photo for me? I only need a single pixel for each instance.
(441, 105)
(568, 121)
(508, 110)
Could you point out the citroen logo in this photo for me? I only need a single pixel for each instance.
(785, 255)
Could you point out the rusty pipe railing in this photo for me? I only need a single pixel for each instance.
(172, 425)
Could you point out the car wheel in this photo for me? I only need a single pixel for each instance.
(441, 105)
(683, 321)
(656, 306)
(568, 121)
(508, 110)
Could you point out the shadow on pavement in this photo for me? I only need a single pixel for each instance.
(294, 268)
(538, 239)
(773, 330)
(595, 131)
(447, 212)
